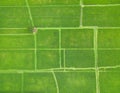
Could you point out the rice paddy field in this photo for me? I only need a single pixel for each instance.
(75, 50)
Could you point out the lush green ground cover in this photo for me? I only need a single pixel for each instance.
(76, 48)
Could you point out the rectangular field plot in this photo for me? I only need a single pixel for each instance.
(56, 21)
(109, 38)
(15, 42)
(12, 2)
(101, 16)
(109, 82)
(39, 83)
(77, 38)
(16, 60)
(76, 82)
(56, 16)
(109, 57)
(13, 17)
(79, 58)
(48, 39)
(47, 59)
(98, 2)
(53, 2)
(15, 31)
(10, 83)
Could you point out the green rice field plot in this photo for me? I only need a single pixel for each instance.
(53, 2)
(101, 16)
(77, 38)
(76, 81)
(79, 58)
(15, 31)
(14, 17)
(59, 46)
(16, 42)
(109, 57)
(109, 38)
(100, 2)
(109, 82)
(10, 83)
(48, 59)
(39, 82)
(16, 60)
(56, 16)
(52, 40)
(12, 2)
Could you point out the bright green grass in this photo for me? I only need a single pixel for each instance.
(39, 83)
(101, 16)
(47, 39)
(77, 38)
(14, 17)
(48, 59)
(109, 38)
(76, 82)
(16, 60)
(79, 59)
(14, 42)
(53, 2)
(109, 82)
(109, 57)
(56, 16)
(94, 2)
(10, 83)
